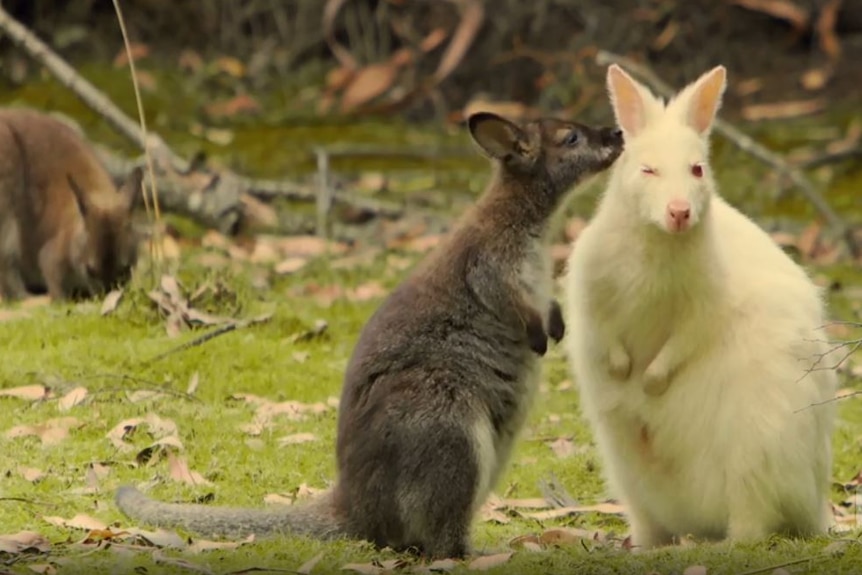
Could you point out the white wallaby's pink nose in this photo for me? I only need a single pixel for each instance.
(678, 215)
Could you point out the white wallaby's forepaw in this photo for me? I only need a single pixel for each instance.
(619, 362)
(656, 378)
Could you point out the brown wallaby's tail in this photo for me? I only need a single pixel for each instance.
(314, 518)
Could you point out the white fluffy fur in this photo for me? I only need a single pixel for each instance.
(690, 349)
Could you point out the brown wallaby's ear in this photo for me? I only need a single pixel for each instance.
(131, 188)
(498, 137)
(80, 195)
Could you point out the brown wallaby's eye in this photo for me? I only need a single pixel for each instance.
(571, 138)
(697, 170)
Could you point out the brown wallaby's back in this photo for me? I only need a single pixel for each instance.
(65, 228)
(441, 379)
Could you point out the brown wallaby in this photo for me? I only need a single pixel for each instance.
(65, 228)
(444, 372)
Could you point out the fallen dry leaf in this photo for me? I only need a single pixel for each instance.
(111, 301)
(306, 567)
(138, 51)
(240, 104)
(50, 432)
(368, 83)
(73, 398)
(797, 16)
(179, 471)
(564, 536)
(290, 265)
(32, 392)
(296, 438)
(201, 545)
(23, 541)
(193, 383)
(782, 110)
(472, 17)
(31, 474)
(695, 570)
(489, 561)
(79, 521)
(43, 568)
(825, 27)
(563, 447)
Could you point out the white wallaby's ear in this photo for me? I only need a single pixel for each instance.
(699, 101)
(497, 136)
(633, 104)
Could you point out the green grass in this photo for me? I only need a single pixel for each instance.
(68, 346)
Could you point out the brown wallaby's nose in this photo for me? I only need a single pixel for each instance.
(612, 136)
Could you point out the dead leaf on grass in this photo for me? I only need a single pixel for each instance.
(111, 301)
(290, 265)
(79, 521)
(202, 545)
(490, 561)
(695, 570)
(50, 432)
(782, 110)
(563, 447)
(31, 474)
(33, 392)
(159, 427)
(73, 398)
(193, 383)
(140, 395)
(296, 438)
(565, 536)
(306, 567)
(43, 568)
(278, 499)
(23, 542)
(179, 471)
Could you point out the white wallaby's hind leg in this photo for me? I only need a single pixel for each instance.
(646, 531)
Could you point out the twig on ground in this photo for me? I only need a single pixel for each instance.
(227, 328)
(748, 145)
(155, 387)
(555, 494)
(772, 568)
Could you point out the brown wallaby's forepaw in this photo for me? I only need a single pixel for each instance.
(556, 325)
(536, 336)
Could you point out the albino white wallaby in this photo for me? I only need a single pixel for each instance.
(690, 333)
(443, 375)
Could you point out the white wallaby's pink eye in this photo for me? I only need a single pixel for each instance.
(697, 170)
(649, 171)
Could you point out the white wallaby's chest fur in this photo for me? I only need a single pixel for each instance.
(690, 352)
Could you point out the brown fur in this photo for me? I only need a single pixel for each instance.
(443, 375)
(65, 228)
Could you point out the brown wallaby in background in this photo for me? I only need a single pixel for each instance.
(444, 372)
(65, 228)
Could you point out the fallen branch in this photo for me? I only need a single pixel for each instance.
(226, 328)
(750, 146)
(184, 197)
